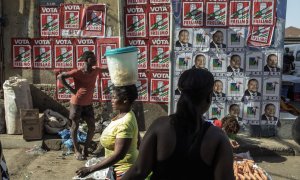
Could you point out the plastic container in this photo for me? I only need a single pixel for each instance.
(122, 65)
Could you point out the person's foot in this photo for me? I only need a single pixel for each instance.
(79, 156)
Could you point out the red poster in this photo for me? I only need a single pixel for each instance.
(136, 2)
(21, 52)
(143, 49)
(93, 20)
(159, 90)
(260, 36)
(42, 53)
(64, 93)
(193, 14)
(106, 86)
(49, 21)
(263, 12)
(71, 17)
(239, 13)
(216, 13)
(82, 45)
(135, 21)
(104, 44)
(159, 21)
(142, 86)
(63, 53)
(159, 1)
(159, 53)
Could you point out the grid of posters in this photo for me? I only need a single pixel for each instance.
(226, 38)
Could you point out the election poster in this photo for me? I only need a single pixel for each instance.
(64, 93)
(21, 52)
(159, 53)
(70, 19)
(136, 2)
(142, 86)
(216, 13)
(49, 21)
(42, 53)
(263, 12)
(260, 36)
(82, 45)
(159, 86)
(63, 53)
(193, 14)
(239, 13)
(104, 44)
(136, 21)
(143, 51)
(159, 21)
(105, 86)
(93, 20)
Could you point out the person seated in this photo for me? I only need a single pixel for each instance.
(179, 145)
(120, 137)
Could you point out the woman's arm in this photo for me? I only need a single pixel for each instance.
(121, 148)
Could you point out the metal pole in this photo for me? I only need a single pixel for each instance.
(1, 46)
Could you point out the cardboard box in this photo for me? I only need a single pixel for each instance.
(32, 124)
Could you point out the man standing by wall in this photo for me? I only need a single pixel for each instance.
(81, 100)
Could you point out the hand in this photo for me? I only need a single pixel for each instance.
(234, 144)
(83, 171)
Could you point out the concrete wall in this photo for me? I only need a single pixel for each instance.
(22, 21)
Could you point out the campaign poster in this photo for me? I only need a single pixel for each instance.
(270, 113)
(159, 53)
(235, 64)
(260, 36)
(253, 89)
(160, 1)
(183, 60)
(239, 13)
(136, 21)
(201, 39)
(219, 89)
(263, 12)
(236, 38)
(82, 45)
(106, 86)
(216, 110)
(216, 13)
(104, 44)
(21, 52)
(183, 39)
(200, 61)
(218, 64)
(235, 88)
(159, 86)
(142, 86)
(272, 63)
(42, 53)
(271, 88)
(251, 112)
(71, 16)
(159, 21)
(63, 53)
(143, 49)
(136, 2)
(49, 21)
(254, 62)
(93, 20)
(64, 93)
(235, 108)
(193, 14)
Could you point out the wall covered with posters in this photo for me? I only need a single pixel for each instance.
(241, 43)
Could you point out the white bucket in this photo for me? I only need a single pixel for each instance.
(123, 65)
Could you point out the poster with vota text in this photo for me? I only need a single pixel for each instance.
(216, 13)
(64, 93)
(104, 44)
(193, 13)
(82, 45)
(49, 21)
(239, 13)
(159, 88)
(42, 53)
(70, 19)
(263, 12)
(159, 20)
(136, 21)
(63, 53)
(105, 86)
(159, 53)
(136, 2)
(142, 86)
(260, 36)
(143, 49)
(159, 1)
(93, 20)
(21, 52)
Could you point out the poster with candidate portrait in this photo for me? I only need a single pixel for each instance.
(216, 110)
(159, 21)
(218, 40)
(21, 52)
(183, 39)
(254, 63)
(193, 14)
(235, 62)
(136, 21)
(239, 13)
(49, 21)
(253, 89)
(251, 112)
(42, 53)
(235, 108)
(70, 19)
(93, 20)
(104, 44)
(263, 12)
(142, 86)
(82, 45)
(63, 53)
(143, 51)
(271, 88)
(270, 113)
(105, 86)
(159, 86)
(272, 63)
(216, 13)
(219, 89)
(159, 53)
(201, 39)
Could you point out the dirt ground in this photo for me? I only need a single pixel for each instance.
(53, 166)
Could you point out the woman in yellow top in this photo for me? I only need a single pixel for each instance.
(120, 137)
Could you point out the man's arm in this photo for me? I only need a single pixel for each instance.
(62, 78)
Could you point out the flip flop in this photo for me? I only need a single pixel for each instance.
(80, 157)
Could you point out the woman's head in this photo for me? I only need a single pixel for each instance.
(230, 125)
(123, 97)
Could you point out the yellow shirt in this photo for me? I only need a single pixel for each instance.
(125, 127)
